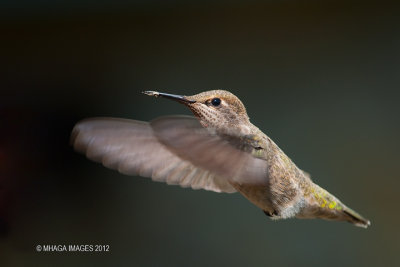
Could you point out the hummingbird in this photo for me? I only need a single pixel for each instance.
(218, 149)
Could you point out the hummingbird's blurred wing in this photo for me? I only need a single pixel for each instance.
(132, 148)
(225, 155)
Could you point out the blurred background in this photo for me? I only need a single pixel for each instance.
(321, 79)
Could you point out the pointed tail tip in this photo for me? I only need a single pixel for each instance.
(357, 219)
(364, 224)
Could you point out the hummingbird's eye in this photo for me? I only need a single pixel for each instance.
(215, 102)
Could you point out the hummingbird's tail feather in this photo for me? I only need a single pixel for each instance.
(343, 213)
(324, 205)
(355, 218)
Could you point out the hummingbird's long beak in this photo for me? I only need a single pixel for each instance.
(179, 98)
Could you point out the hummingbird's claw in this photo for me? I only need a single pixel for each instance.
(271, 214)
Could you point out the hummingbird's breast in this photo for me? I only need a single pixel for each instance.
(283, 195)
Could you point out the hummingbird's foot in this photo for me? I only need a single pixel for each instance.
(271, 214)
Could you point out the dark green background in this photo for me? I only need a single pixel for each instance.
(321, 79)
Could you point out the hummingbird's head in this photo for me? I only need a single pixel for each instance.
(216, 108)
